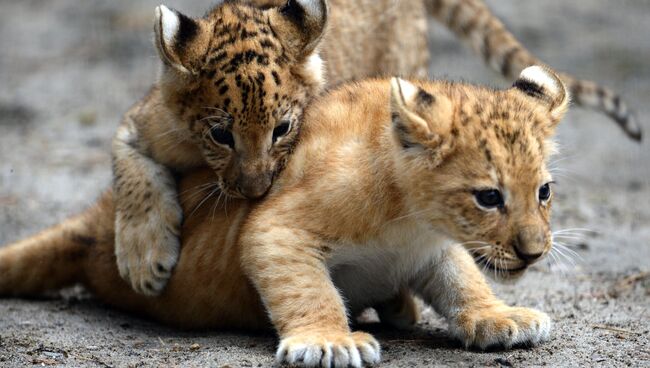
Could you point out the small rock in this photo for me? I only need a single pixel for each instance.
(42, 361)
(503, 362)
(53, 355)
(195, 347)
(88, 118)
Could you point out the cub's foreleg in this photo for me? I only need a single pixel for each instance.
(288, 268)
(455, 287)
(148, 215)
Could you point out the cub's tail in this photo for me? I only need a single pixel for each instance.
(472, 22)
(56, 257)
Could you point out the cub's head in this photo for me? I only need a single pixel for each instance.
(476, 163)
(237, 81)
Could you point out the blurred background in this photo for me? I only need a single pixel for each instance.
(69, 69)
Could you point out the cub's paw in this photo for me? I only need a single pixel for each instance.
(501, 326)
(329, 349)
(147, 249)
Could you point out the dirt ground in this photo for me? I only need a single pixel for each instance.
(68, 69)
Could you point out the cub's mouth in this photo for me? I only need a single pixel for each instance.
(490, 267)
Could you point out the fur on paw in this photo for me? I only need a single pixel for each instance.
(329, 350)
(147, 249)
(501, 326)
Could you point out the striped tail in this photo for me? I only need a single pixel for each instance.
(52, 259)
(472, 22)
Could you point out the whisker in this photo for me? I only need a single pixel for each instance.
(199, 188)
(216, 108)
(561, 253)
(569, 251)
(558, 262)
(575, 229)
(569, 236)
(203, 201)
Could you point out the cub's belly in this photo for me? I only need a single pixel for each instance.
(368, 275)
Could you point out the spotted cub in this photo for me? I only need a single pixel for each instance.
(394, 186)
(231, 94)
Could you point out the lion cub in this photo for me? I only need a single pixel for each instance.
(379, 198)
(394, 186)
(231, 95)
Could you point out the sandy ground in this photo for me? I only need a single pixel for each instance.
(68, 69)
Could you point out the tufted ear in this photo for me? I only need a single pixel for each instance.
(178, 39)
(421, 119)
(300, 24)
(542, 83)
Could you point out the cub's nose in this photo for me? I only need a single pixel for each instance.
(529, 244)
(527, 257)
(254, 186)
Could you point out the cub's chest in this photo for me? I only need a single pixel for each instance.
(375, 271)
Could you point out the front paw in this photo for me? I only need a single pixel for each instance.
(147, 249)
(500, 326)
(329, 349)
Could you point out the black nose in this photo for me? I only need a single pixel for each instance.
(525, 245)
(527, 257)
(253, 187)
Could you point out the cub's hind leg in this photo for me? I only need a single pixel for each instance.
(400, 312)
(454, 286)
(55, 257)
(147, 215)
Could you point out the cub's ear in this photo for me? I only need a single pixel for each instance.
(421, 119)
(178, 39)
(542, 83)
(300, 24)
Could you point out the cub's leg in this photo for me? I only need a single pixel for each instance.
(56, 257)
(148, 215)
(50, 260)
(455, 287)
(288, 268)
(400, 312)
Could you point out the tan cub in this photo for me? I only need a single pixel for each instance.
(378, 198)
(390, 186)
(231, 94)
(365, 38)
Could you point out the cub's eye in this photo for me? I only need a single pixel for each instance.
(222, 136)
(544, 192)
(281, 130)
(489, 198)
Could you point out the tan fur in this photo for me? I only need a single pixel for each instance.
(376, 201)
(168, 131)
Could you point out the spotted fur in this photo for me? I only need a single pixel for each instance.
(230, 96)
(356, 219)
